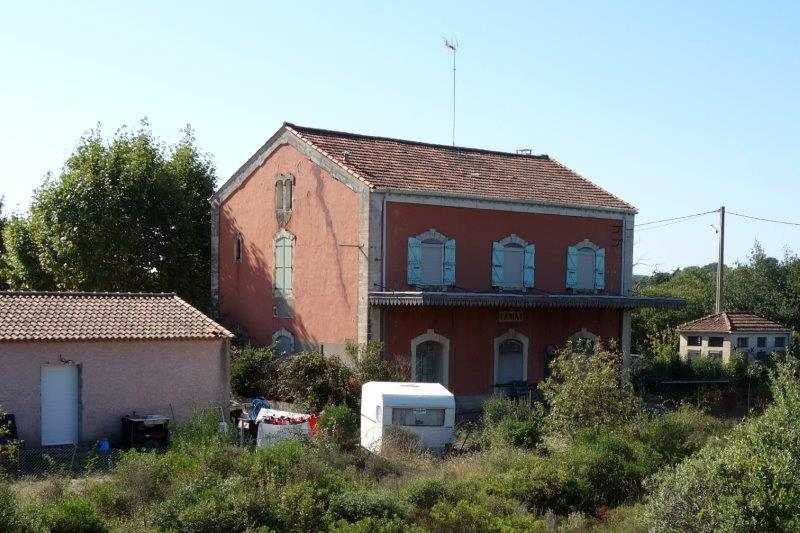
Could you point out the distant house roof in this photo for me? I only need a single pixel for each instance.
(729, 322)
(60, 316)
(396, 164)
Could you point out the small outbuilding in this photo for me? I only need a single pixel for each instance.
(721, 334)
(72, 364)
(427, 410)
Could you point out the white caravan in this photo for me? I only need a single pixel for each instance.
(427, 410)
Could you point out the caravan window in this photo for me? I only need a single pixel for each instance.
(405, 416)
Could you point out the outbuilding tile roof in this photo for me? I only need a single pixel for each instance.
(728, 322)
(383, 162)
(59, 316)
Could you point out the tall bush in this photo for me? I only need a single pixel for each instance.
(316, 380)
(585, 390)
(253, 371)
(371, 364)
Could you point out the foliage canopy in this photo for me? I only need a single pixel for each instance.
(129, 214)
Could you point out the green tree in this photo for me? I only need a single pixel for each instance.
(129, 214)
(693, 284)
(763, 285)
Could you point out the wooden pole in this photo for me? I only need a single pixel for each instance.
(720, 259)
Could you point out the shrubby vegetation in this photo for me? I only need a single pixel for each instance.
(526, 469)
(747, 480)
(311, 379)
(592, 457)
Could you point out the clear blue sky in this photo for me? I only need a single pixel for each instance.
(676, 107)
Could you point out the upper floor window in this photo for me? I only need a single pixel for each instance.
(431, 260)
(512, 263)
(283, 197)
(694, 340)
(586, 270)
(780, 342)
(237, 248)
(284, 263)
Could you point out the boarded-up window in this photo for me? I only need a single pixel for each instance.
(432, 263)
(513, 265)
(586, 263)
(510, 363)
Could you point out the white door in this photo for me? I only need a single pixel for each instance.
(59, 404)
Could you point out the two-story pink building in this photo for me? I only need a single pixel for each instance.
(471, 265)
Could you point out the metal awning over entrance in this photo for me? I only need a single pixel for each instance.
(518, 301)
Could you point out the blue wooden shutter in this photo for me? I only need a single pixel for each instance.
(414, 261)
(498, 256)
(600, 269)
(528, 266)
(572, 267)
(449, 266)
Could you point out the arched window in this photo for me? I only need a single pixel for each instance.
(512, 263)
(584, 341)
(284, 264)
(586, 267)
(282, 343)
(510, 359)
(430, 354)
(431, 260)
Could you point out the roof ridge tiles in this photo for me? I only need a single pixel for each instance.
(450, 147)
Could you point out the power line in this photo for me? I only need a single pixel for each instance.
(675, 219)
(786, 222)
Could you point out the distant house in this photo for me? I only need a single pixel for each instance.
(719, 335)
(471, 265)
(72, 364)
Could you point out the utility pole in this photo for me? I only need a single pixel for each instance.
(721, 258)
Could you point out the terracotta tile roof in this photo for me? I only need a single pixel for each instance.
(728, 322)
(416, 166)
(39, 316)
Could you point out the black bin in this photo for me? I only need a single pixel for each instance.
(145, 431)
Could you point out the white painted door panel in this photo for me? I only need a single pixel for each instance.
(59, 404)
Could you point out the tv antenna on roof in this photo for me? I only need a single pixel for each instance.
(452, 46)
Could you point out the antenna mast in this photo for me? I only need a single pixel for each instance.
(452, 46)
